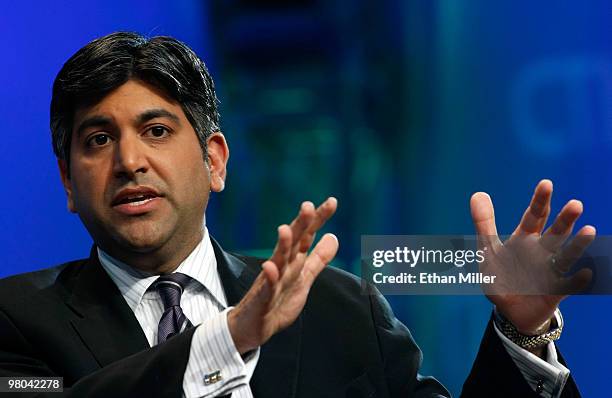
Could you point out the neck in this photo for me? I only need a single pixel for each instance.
(161, 260)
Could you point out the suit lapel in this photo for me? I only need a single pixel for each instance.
(276, 374)
(105, 323)
(109, 329)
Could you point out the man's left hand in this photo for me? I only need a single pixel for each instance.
(531, 265)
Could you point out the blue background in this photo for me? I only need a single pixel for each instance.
(400, 109)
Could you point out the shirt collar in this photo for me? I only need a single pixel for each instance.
(200, 264)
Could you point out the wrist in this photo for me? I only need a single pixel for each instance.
(539, 351)
(533, 340)
(543, 328)
(240, 342)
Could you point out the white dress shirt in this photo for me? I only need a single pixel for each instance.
(203, 302)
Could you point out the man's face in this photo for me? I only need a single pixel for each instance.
(138, 178)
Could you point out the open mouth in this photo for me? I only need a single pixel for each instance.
(135, 200)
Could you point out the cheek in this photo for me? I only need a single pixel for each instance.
(199, 169)
(201, 181)
(88, 188)
(188, 178)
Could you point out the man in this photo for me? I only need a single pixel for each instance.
(160, 309)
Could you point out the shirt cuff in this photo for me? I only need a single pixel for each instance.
(547, 378)
(215, 366)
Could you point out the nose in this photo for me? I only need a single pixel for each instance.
(129, 157)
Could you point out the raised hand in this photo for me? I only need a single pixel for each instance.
(279, 293)
(531, 265)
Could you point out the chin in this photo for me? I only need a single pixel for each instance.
(141, 240)
(140, 246)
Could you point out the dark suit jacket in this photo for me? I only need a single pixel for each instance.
(72, 321)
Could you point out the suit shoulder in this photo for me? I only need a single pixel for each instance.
(338, 274)
(332, 282)
(338, 291)
(30, 283)
(335, 278)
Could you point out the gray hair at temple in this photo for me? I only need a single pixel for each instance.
(110, 61)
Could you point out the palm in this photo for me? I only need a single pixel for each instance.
(285, 305)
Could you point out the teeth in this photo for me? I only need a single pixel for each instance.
(140, 202)
(135, 197)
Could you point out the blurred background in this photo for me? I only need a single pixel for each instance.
(400, 109)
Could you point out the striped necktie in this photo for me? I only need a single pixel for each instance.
(173, 321)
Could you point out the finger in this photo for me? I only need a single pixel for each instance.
(560, 230)
(263, 287)
(271, 272)
(282, 251)
(535, 217)
(323, 213)
(483, 217)
(300, 224)
(293, 270)
(322, 254)
(577, 283)
(575, 249)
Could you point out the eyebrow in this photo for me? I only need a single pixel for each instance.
(92, 121)
(155, 113)
(99, 120)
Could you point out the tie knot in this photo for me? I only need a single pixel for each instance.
(170, 287)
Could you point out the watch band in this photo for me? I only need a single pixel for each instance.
(526, 341)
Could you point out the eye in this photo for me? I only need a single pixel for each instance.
(98, 140)
(158, 131)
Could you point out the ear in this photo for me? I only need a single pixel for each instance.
(218, 154)
(65, 174)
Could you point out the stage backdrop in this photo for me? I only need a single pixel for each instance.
(401, 109)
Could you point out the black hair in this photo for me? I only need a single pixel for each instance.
(106, 63)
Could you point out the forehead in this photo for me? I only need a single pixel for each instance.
(129, 100)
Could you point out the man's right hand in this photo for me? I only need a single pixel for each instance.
(279, 293)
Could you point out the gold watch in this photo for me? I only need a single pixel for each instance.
(526, 341)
